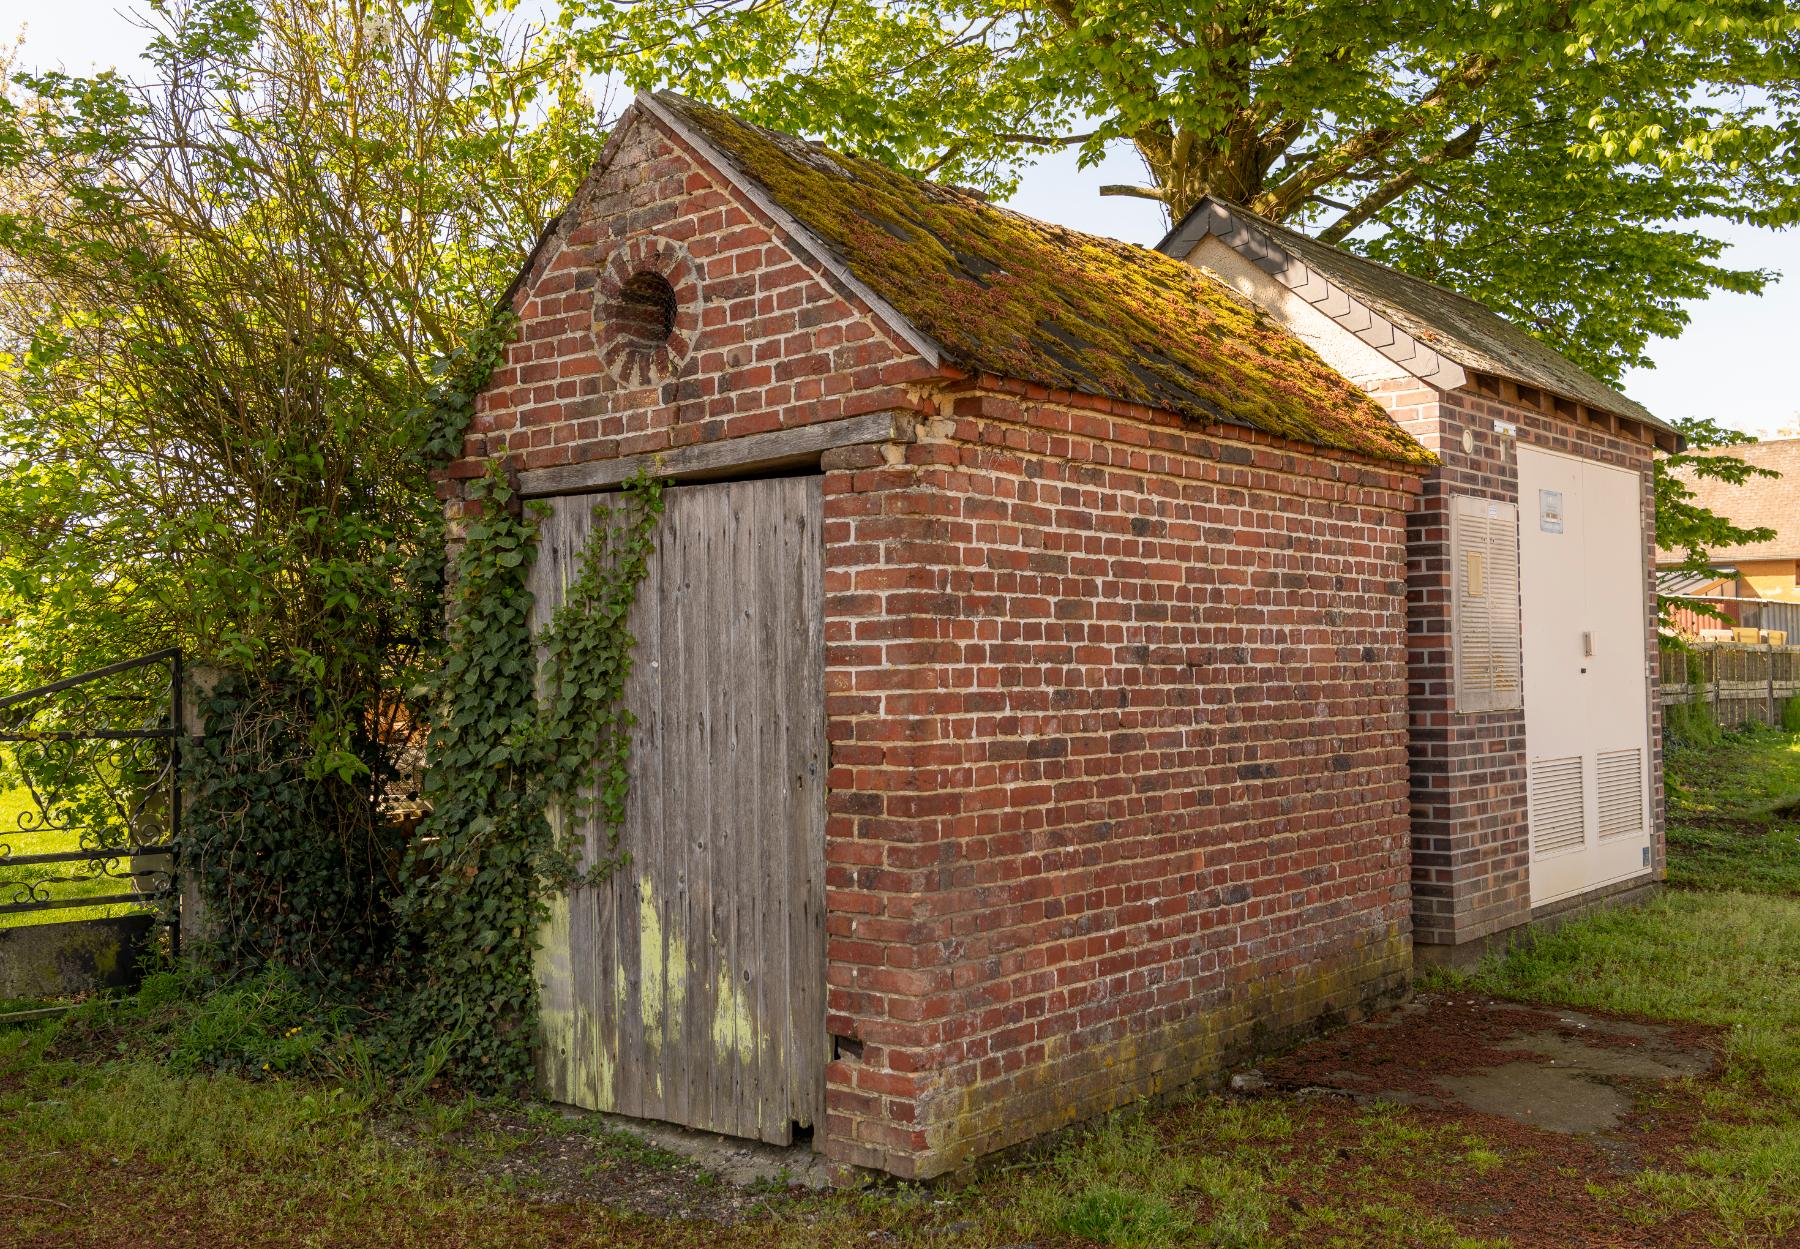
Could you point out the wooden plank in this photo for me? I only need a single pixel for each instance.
(663, 864)
(734, 1024)
(778, 448)
(573, 526)
(618, 955)
(785, 625)
(806, 963)
(782, 621)
(764, 794)
(698, 784)
(697, 798)
(558, 996)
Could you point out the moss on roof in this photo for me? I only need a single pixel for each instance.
(1005, 294)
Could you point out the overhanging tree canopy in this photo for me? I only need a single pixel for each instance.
(1546, 157)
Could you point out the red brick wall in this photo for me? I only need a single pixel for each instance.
(1118, 781)
(1470, 839)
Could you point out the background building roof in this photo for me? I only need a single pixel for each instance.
(1681, 581)
(1760, 502)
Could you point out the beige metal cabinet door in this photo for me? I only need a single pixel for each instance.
(1582, 590)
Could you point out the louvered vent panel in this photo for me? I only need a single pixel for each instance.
(1484, 558)
(1504, 641)
(1557, 806)
(1621, 784)
(1474, 684)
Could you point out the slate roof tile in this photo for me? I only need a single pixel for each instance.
(1457, 327)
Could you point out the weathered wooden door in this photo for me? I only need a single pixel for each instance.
(691, 987)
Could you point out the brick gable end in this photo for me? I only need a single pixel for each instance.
(764, 341)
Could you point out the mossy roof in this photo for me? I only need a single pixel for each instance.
(1002, 293)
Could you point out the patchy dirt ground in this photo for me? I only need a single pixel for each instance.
(1563, 1098)
(1568, 1071)
(558, 1161)
(1568, 1101)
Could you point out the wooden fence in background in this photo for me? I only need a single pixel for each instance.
(1741, 682)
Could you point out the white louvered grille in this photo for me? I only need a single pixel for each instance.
(1503, 618)
(1621, 792)
(1484, 552)
(1557, 805)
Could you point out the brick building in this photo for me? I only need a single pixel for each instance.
(1021, 680)
(1535, 725)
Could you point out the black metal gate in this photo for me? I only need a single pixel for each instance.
(90, 803)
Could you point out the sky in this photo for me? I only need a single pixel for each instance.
(1720, 367)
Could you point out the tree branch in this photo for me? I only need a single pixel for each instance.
(1281, 200)
(1459, 148)
(1134, 192)
(1047, 140)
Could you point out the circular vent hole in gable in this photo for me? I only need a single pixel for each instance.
(646, 309)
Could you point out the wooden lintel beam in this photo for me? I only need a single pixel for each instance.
(776, 449)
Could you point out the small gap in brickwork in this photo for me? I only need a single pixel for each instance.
(848, 1049)
(803, 465)
(646, 310)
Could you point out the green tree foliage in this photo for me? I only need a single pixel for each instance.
(1547, 158)
(224, 286)
(246, 302)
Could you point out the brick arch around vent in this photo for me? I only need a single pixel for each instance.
(635, 354)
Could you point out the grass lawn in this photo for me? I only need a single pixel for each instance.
(15, 804)
(199, 1113)
(1731, 960)
(1734, 814)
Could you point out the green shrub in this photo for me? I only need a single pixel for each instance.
(1790, 715)
(1691, 725)
(297, 868)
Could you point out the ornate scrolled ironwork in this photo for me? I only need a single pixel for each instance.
(96, 758)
